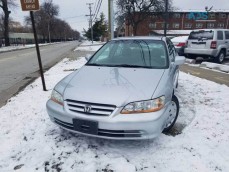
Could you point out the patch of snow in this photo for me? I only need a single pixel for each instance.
(220, 67)
(20, 47)
(88, 46)
(31, 142)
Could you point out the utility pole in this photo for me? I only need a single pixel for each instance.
(90, 15)
(166, 17)
(111, 18)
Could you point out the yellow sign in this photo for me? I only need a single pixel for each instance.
(30, 5)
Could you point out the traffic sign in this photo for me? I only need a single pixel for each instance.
(30, 5)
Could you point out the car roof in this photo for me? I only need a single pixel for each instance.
(140, 38)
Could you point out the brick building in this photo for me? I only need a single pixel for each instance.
(181, 22)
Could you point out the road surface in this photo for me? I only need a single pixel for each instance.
(18, 68)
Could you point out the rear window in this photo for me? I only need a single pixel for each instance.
(201, 35)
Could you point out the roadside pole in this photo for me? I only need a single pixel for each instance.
(38, 51)
(111, 19)
(34, 6)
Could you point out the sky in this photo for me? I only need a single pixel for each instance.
(74, 11)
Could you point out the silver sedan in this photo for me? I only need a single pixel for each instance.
(124, 91)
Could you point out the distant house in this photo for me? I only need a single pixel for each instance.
(181, 22)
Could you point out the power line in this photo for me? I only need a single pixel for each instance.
(100, 3)
(97, 5)
(73, 17)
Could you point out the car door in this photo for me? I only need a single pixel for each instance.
(174, 72)
(227, 41)
(220, 38)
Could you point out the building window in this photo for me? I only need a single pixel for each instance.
(210, 25)
(176, 15)
(199, 25)
(223, 16)
(212, 15)
(221, 25)
(187, 15)
(154, 16)
(162, 25)
(188, 25)
(176, 25)
(152, 25)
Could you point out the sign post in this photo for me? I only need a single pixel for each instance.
(33, 5)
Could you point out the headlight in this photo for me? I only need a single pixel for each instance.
(144, 106)
(57, 97)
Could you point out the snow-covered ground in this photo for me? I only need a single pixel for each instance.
(31, 142)
(20, 47)
(88, 46)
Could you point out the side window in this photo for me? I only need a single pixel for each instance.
(172, 50)
(227, 34)
(220, 35)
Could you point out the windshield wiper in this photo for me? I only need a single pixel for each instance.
(94, 64)
(131, 66)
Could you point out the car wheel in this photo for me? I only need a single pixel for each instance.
(173, 114)
(220, 58)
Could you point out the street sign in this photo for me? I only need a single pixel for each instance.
(30, 5)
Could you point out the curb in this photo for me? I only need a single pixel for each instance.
(24, 48)
(209, 65)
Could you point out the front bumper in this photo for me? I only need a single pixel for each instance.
(201, 52)
(116, 126)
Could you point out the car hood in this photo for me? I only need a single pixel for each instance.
(113, 85)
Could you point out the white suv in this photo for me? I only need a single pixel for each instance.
(207, 43)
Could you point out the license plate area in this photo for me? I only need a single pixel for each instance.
(85, 126)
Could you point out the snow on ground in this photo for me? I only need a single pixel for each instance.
(19, 47)
(88, 46)
(31, 142)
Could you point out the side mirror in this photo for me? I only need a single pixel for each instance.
(88, 56)
(179, 60)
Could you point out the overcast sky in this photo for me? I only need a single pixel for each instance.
(74, 11)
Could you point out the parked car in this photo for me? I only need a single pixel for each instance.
(124, 91)
(213, 43)
(180, 42)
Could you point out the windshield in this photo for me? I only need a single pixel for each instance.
(131, 53)
(201, 35)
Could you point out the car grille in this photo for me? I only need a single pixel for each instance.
(95, 108)
(103, 132)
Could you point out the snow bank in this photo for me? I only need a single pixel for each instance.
(220, 67)
(88, 46)
(31, 142)
(20, 47)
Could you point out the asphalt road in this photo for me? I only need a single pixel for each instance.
(18, 68)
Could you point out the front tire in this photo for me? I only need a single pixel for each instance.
(173, 114)
(220, 58)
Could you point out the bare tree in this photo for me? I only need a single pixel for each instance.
(133, 12)
(5, 5)
(49, 26)
(44, 18)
